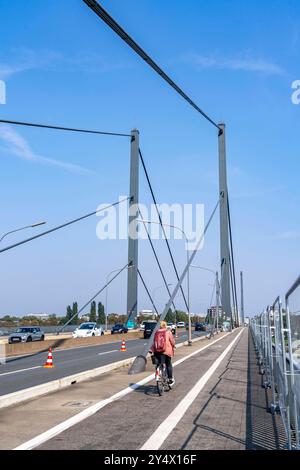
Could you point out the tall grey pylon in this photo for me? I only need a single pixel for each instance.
(132, 272)
(224, 227)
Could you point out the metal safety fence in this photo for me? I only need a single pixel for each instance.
(276, 336)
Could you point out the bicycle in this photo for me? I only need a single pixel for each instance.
(161, 376)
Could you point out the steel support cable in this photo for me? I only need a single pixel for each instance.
(156, 258)
(101, 13)
(147, 290)
(140, 361)
(94, 296)
(63, 225)
(60, 128)
(232, 255)
(162, 227)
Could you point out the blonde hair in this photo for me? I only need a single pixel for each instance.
(163, 324)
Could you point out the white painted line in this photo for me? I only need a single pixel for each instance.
(20, 370)
(108, 352)
(52, 432)
(166, 427)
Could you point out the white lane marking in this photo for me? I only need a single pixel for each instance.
(20, 370)
(58, 429)
(108, 352)
(166, 427)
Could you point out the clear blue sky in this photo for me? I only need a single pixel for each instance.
(62, 65)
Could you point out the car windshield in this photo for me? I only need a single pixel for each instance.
(118, 325)
(150, 325)
(23, 330)
(86, 326)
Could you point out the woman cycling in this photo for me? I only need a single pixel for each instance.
(163, 348)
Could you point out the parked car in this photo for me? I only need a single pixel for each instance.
(180, 324)
(171, 326)
(88, 329)
(142, 325)
(26, 334)
(149, 327)
(119, 328)
(200, 326)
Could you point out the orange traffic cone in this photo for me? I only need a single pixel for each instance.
(49, 362)
(123, 346)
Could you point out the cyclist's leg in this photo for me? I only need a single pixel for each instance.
(168, 362)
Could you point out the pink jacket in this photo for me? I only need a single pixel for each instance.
(170, 344)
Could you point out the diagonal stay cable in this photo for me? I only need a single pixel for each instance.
(163, 229)
(140, 361)
(156, 258)
(94, 296)
(147, 290)
(101, 13)
(63, 225)
(60, 128)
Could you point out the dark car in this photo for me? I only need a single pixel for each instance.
(200, 327)
(149, 327)
(119, 328)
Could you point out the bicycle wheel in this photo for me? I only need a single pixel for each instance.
(159, 381)
(166, 384)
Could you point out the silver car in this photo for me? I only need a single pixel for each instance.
(26, 334)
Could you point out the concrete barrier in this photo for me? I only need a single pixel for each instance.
(19, 349)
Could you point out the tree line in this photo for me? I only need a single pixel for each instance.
(96, 314)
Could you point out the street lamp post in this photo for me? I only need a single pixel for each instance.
(36, 224)
(188, 272)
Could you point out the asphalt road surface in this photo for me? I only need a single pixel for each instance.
(27, 371)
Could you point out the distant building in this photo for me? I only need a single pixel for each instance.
(213, 311)
(147, 313)
(41, 316)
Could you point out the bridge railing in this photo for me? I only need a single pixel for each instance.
(276, 336)
(292, 300)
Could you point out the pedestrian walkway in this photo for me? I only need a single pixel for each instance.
(231, 412)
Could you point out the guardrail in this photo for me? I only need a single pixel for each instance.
(276, 336)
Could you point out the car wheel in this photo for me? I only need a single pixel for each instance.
(93, 334)
(29, 339)
(42, 338)
(102, 333)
